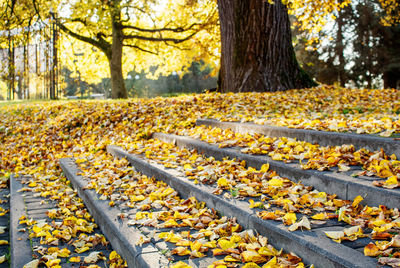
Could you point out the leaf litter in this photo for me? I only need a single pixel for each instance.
(34, 136)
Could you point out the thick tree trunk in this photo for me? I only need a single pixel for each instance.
(118, 90)
(257, 50)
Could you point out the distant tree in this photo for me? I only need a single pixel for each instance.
(112, 25)
(195, 79)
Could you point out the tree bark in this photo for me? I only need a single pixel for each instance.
(340, 49)
(118, 89)
(257, 50)
(391, 79)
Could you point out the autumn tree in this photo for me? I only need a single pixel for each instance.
(112, 25)
(257, 50)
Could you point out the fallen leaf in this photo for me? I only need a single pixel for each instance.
(32, 264)
(94, 257)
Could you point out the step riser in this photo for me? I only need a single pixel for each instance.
(313, 249)
(345, 187)
(323, 138)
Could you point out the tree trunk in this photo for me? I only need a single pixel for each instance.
(391, 79)
(257, 50)
(340, 49)
(118, 90)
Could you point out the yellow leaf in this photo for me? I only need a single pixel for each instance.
(264, 168)
(277, 182)
(82, 249)
(391, 182)
(180, 264)
(357, 201)
(289, 218)
(218, 251)
(250, 265)
(385, 173)
(94, 257)
(222, 182)
(231, 259)
(196, 254)
(335, 235)
(255, 204)
(303, 223)
(225, 244)
(170, 237)
(343, 167)
(32, 264)
(196, 246)
(75, 259)
(183, 243)
(187, 167)
(320, 216)
(353, 230)
(271, 264)
(181, 251)
(210, 244)
(114, 255)
(52, 263)
(252, 256)
(267, 251)
(371, 250)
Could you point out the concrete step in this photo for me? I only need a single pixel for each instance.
(35, 207)
(312, 246)
(123, 238)
(21, 252)
(4, 222)
(323, 138)
(342, 184)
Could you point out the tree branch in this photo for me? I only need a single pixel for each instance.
(177, 47)
(161, 39)
(102, 44)
(141, 49)
(165, 29)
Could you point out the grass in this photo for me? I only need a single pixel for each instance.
(16, 102)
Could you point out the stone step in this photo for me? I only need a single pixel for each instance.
(21, 252)
(36, 208)
(123, 238)
(4, 222)
(323, 138)
(312, 246)
(342, 184)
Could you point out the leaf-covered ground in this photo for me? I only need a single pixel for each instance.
(33, 136)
